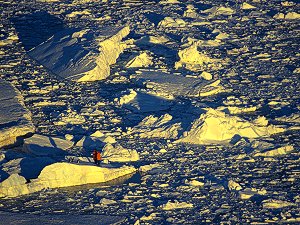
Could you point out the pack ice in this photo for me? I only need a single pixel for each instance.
(171, 86)
(215, 126)
(81, 55)
(15, 119)
(61, 175)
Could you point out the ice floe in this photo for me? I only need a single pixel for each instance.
(41, 145)
(170, 86)
(215, 126)
(117, 153)
(15, 118)
(61, 175)
(82, 55)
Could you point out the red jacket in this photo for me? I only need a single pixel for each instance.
(98, 156)
(95, 155)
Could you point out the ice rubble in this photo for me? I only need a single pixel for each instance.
(293, 118)
(170, 85)
(126, 98)
(41, 145)
(142, 60)
(169, 2)
(29, 166)
(276, 152)
(156, 127)
(192, 59)
(276, 204)
(206, 76)
(81, 55)
(117, 153)
(176, 205)
(247, 6)
(15, 119)
(234, 186)
(217, 127)
(288, 16)
(61, 175)
(194, 183)
(146, 102)
(148, 39)
(170, 22)
(190, 12)
(249, 192)
(219, 10)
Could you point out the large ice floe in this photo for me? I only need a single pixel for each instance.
(219, 10)
(81, 55)
(40, 145)
(15, 119)
(171, 86)
(59, 175)
(157, 127)
(117, 153)
(217, 127)
(192, 59)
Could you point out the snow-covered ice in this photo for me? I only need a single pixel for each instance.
(15, 118)
(81, 55)
(194, 107)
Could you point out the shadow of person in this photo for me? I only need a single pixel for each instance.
(36, 28)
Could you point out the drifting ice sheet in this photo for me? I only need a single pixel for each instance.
(81, 55)
(215, 127)
(44, 146)
(15, 119)
(61, 175)
(170, 86)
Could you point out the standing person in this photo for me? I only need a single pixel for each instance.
(98, 158)
(95, 157)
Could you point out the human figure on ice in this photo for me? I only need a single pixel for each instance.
(97, 157)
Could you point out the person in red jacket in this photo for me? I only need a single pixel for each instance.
(95, 157)
(98, 158)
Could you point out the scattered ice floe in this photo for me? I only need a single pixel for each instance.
(215, 126)
(61, 175)
(176, 205)
(81, 55)
(192, 59)
(142, 60)
(117, 153)
(276, 152)
(288, 16)
(276, 204)
(171, 22)
(156, 127)
(15, 118)
(171, 86)
(41, 145)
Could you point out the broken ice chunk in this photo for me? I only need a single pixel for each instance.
(81, 55)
